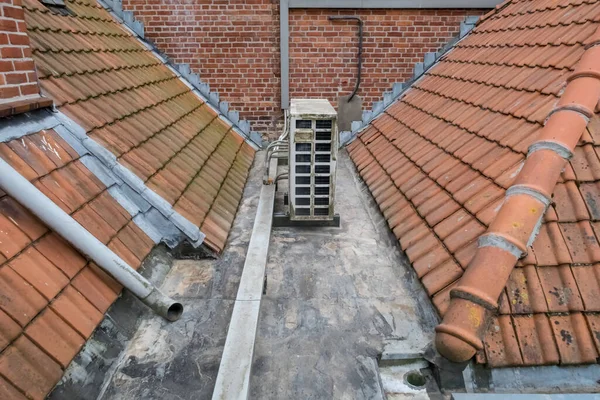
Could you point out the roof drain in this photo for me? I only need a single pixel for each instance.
(62, 223)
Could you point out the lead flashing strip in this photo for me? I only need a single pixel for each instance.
(556, 147)
(183, 72)
(153, 214)
(500, 242)
(26, 124)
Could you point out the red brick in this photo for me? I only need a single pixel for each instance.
(28, 368)
(11, 52)
(9, 92)
(55, 336)
(16, 78)
(8, 25)
(13, 12)
(29, 89)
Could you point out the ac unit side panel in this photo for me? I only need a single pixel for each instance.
(312, 162)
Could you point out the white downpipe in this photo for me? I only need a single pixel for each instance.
(62, 223)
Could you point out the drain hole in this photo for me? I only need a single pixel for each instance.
(415, 379)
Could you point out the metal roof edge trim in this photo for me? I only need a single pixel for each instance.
(151, 213)
(183, 72)
(399, 89)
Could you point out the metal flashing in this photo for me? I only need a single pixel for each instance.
(26, 124)
(184, 73)
(153, 214)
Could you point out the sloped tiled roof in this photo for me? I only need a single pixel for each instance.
(130, 102)
(439, 161)
(52, 297)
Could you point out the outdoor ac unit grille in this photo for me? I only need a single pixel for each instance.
(312, 166)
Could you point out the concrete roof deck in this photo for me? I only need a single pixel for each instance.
(333, 297)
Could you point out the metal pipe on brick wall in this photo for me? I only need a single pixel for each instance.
(14, 184)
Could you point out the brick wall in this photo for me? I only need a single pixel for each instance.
(17, 70)
(234, 46)
(323, 54)
(231, 44)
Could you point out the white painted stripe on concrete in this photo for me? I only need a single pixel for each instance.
(233, 379)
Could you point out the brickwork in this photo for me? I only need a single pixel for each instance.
(17, 71)
(234, 46)
(323, 54)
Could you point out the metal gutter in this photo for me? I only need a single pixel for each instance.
(233, 379)
(284, 23)
(23, 191)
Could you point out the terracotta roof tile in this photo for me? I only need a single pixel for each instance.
(560, 289)
(12, 239)
(575, 343)
(95, 289)
(39, 272)
(536, 339)
(8, 391)
(77, 311)
(22, 218)
(525, 292)
(19, 299)
(581, 242)
(588, 283)
(458, 139)
(129, 101)
(57, 338)
(61, 254)
(501, 345)
(591, 195)
(28, 368)
(9, 330)
(17, 162)
(569, 203)
(94, 223)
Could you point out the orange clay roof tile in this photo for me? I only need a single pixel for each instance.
(440, 159)
(129, 101)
